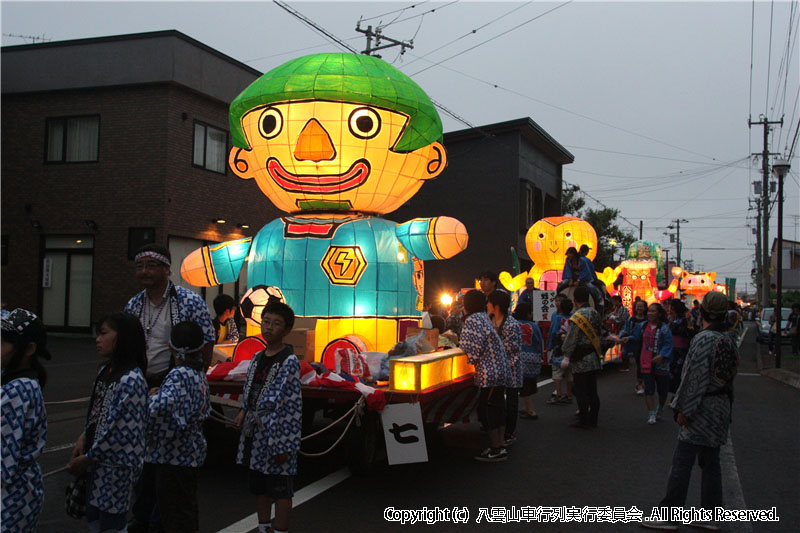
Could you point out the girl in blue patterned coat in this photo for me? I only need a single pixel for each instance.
(175, 441)
(111, 448)
(24, 427)
(485, 350)
(271, 419)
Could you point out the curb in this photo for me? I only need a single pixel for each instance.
(784, 376)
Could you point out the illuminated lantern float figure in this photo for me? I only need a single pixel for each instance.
(335, 140)
(547, 242)
(648, 250)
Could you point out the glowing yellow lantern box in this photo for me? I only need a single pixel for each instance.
(417, 373)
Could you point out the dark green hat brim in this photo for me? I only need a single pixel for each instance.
(351, 78)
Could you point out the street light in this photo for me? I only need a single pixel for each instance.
(780, 167)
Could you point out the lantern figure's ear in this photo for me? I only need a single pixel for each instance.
(436, 156)
(243, 162)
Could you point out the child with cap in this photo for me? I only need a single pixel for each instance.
(24, 419)
(271, 418)
(175, 441)
(111, 448)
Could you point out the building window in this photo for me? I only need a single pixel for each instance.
(138, 237)
(72, 139)
(210, 147)
(529, 207)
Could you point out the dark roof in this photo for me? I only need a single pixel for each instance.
(132, 37)
(124, 60)
(529, 129)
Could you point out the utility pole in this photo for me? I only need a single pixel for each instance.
(677, 228)
(765, 300)
(641, 226)
(759, 265)
(378, 38)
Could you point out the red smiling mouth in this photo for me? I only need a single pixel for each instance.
(356, 175)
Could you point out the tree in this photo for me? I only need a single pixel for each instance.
(604, 222)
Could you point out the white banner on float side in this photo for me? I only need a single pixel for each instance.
(543, 305)
(404, 434)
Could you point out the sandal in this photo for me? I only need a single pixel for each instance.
(525, 414)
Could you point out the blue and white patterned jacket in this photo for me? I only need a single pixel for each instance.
(185, 305)
(23, 437)
(119, 443)
(176, 415)
(702, 397)
(485, 350)
(511, 335)
(278, 418)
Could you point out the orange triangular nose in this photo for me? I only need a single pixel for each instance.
(314, 143)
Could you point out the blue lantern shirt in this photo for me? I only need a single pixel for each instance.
(23, 438)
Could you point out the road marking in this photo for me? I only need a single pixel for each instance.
(732, 495)
(300, 497)
(59, 448)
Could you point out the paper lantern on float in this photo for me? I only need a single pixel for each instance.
(333, 139)
(547, 242)
(639, 279)
(697, 284)
(647, 250)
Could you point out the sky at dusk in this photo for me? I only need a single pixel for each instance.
(651, 98)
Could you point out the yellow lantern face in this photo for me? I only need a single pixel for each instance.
(316, 155)
(548, 239)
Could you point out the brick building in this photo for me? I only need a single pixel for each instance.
(107, 144)
(500, 179)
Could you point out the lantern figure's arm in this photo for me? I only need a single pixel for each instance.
(433, 238)
(215, 264)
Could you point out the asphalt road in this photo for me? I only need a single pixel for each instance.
(624, 463)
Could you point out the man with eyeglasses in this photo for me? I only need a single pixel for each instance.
(160, 306)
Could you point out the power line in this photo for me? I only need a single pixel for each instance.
(395, 11)
(314, 25)
(472, 32)
(493, 38)
(418, 15)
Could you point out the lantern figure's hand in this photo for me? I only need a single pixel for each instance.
(215, 264)
(433, 238)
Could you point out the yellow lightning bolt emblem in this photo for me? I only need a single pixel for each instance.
(344, 265)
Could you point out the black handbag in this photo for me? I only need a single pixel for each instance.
(76, 496)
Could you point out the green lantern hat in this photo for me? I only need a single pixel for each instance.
(337, 77)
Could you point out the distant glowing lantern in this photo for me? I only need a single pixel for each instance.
(335, 139)
(447, 300)
(697, 284)
(547, 242)
(648, 250)
(639, 279)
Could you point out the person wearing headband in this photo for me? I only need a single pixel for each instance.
(176, 446)
(24, 419)
(160, 306)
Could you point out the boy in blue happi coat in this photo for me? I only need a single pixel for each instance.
(175, 441)
(271, 419)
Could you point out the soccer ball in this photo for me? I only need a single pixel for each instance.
(253, 302)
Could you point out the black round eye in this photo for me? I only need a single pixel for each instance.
(541, 235)
(364, 123)
(270, 123)
(568, 235)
